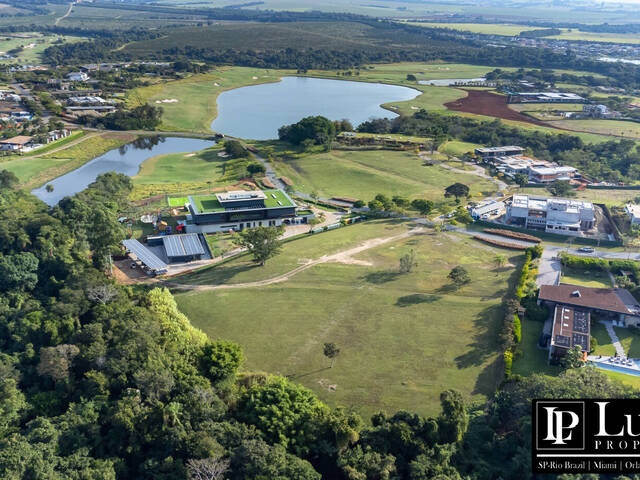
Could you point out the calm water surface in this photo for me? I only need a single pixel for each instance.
(126, 159)
(256, 112)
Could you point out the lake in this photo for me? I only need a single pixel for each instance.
(126, 159)
(258, 111)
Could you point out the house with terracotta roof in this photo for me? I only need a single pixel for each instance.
(615, 304)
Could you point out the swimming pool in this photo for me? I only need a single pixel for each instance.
(616, 368)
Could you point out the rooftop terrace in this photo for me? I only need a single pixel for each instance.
(211, 203)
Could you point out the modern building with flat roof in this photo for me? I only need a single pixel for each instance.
(553, 215)
(238, 210)
(633, 212)
(571, 327)
(545, 97)
(493, 152)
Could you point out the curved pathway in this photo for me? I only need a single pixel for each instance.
(343, 256)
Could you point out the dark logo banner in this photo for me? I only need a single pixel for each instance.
(586, 436)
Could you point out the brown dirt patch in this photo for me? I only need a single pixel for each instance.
(490, 104)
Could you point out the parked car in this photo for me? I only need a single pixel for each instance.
(586, 250)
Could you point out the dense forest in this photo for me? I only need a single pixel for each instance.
(104, 381)
(614, 161)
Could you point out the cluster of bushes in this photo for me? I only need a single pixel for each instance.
(526, 282)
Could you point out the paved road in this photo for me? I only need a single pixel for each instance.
(549, 268)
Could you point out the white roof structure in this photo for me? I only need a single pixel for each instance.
(183, 245)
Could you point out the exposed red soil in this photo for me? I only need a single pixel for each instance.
(490, 104)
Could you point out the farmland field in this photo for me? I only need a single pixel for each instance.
(513, 30)
(367, 173)
(396, 350)
(506, 29)
(618, 128)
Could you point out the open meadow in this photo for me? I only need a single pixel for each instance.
(363, 174)
(618, 128)
(403, 337)
(28, 48)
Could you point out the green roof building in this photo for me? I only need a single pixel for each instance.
(240, 209)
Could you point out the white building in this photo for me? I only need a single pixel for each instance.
(487, 208)
(633, 211)
(553, 215)
(77, 77)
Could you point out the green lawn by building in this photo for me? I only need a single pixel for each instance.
(363, 174)
(532, 359)
(595, 278)
(403, 338)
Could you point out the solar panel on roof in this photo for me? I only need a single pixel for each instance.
(183, 245)
(145, 255)
(582, 340)
(562, 341)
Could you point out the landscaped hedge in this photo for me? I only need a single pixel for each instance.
(512, 234)
(508, 363)
(517, 329)
(498, 243)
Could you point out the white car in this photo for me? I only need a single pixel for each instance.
(586, 250)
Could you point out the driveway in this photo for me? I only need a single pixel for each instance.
(549, 268)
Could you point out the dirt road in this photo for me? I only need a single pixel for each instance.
(345, 256)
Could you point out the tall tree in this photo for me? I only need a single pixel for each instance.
(262, 242)
(331, 351)
(457, 190)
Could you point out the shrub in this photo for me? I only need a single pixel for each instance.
(517, 329)
(508, 363)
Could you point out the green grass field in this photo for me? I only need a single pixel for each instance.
(597, 279)
(403, 338)
(533, 359)
(183, 167)
(363, 174)
(618, 128)
(32, 46)
(456, 147)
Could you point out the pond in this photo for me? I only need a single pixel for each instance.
(126, 159)
(258, 111)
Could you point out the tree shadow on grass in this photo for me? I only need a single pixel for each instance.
(484, 343)
(381, 277)
(447, 288)
(415, 299)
